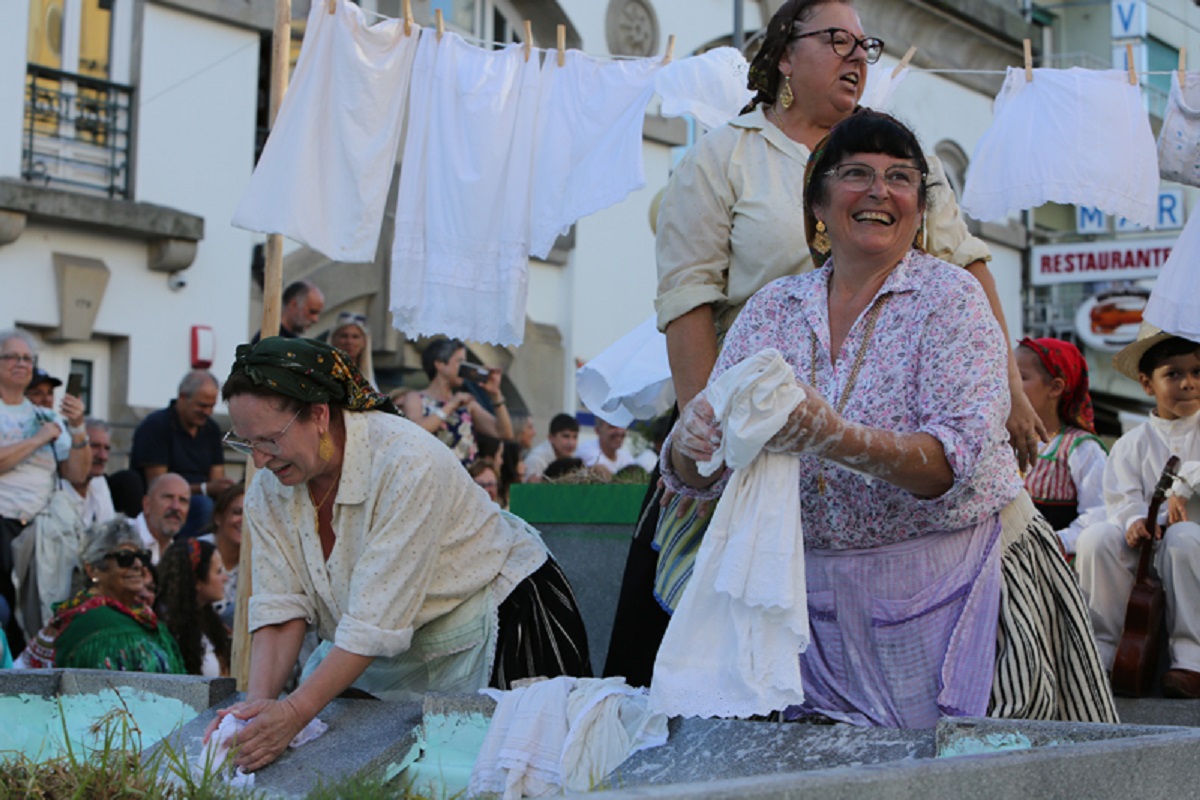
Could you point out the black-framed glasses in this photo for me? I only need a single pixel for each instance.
(20, 358)
(125, 558)
(843, 43)
(859, 177)
(269, 446)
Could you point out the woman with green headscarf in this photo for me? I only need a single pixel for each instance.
(367, 526)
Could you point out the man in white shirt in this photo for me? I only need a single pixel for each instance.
(607, 449)
(564, 436)
(164, 510)
(95, 503)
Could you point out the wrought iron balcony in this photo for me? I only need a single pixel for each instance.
(77, 132)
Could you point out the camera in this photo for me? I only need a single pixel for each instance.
(474, 372)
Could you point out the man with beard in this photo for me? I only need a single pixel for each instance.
(164, 510)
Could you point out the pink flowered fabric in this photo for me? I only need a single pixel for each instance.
(936, 363)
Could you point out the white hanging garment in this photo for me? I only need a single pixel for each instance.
(630, 380)
(460, 255)
(588, 140)
(1077, 136)
(712, 87)
(1173, 305)
(732, 648)
(324, 173)
(881, 86)
(1179, 139)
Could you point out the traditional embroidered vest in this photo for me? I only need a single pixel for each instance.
(1049, 480)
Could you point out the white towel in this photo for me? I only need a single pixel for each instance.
(630, 380)
(324, 174)
(562, 733)
(1079, 136)
(712, 86)
(732, 647)
(216, 751)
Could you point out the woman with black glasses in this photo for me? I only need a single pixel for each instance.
(108, 625)
(730, 223)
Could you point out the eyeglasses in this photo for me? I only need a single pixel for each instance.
(843, 43)
(269, 446)
(20, 358)
(125, 558)
(859, 177)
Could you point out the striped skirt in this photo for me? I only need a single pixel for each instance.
(1047, 665)
(541, 632)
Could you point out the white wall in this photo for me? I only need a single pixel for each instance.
(13, 34)
(195, 153)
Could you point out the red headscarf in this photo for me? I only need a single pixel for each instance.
(1063, 360)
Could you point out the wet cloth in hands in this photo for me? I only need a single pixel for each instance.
(732, 648)
(217, 750)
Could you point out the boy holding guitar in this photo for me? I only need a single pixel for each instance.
(1168, 368)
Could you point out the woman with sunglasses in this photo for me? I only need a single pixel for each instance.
(107, 625)
(370, 527)
(730, 223)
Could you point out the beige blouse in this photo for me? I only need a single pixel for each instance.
(732, 220)
(415, 539)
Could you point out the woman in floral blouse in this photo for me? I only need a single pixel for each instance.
(904, 462)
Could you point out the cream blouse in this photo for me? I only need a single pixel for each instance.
(415, 539)
(732, 220)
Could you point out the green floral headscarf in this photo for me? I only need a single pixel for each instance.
(310, 371)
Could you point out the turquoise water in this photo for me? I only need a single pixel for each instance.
(34, 726)
(439, 764)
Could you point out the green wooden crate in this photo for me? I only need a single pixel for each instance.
(591, 503)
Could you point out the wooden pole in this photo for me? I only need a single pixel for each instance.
(281, 48)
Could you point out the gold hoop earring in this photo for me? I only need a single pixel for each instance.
(786, 97)
(325, 447)
(820, 241)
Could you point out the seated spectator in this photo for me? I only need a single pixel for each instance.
(164, 509)
(607, 450)
(448, 410)
(351, 336)
(127, 487)
(487, 450)
(523, 430)
(303, 303)
(191, 580)
(227, 536)
(107, 625)
(40, 390)
(94, 499)
(183, 438)
(563, 439)
(484, 475)
(511, 470)
(561, 468)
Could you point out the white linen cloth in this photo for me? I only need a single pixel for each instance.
(881, 86)
(1172, 306)
(712, 86)
(732, 647)
(1179, 139)
(629, 380)
(216, 752)
(460, 255)
(324, 173)
(1075, 135)
(563, 733)
(588, 140)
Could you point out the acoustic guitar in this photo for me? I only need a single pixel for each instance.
(1136, 664)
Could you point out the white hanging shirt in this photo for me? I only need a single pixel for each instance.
(460, 256)
(1076, 136)
(324, 174)
(712, 87)
(630, 380)
(1179, 139)
(588, 140)
(881, 86)
(732, 648)
(1173, 305)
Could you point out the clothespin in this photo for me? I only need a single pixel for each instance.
(1133, 78)
(332, 6)
(440, 22)
(528, 39)
(912, 51)
(408, 18)
(670, 50)
(1182, 67)
(561, 34)
(1028, 61)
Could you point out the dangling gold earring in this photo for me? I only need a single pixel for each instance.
(919, 240)
(821, 241)
(325, 447)
(786, 98)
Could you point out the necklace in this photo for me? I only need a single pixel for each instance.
(328, 492)
(872, 318)
(778, 120)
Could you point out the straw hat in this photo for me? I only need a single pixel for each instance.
(1127, 358)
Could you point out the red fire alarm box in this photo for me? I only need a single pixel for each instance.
(204, 345)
